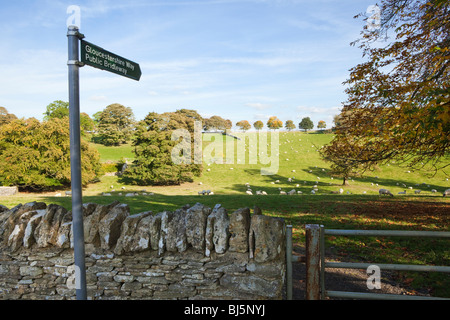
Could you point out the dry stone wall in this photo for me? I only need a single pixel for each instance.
(195, 252)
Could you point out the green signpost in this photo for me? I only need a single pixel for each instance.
(97, 57)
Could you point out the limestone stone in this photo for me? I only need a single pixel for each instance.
(175, 237)
(110, 226)
(92, 220)
(267, 238)
(239, 230)
(196, 218)
(126, 241)
(46, 232)
(217, 230)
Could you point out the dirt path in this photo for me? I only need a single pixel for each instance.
(352, 280)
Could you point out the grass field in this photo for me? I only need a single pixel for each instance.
(359, 207)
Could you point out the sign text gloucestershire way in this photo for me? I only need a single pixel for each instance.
(97, 57)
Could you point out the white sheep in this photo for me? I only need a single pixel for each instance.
(283, 192)
(433, 190)
(249, 192)
(264, 193)
(417, 191)
(386, 192)
(446, 193)
(292, 192)
(299, 192)
(402, 192)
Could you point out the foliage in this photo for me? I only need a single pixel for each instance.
(306, 124)
(57, 109)
(274, 123)
(243, 125)
(322, 124)
(153, 144)
(5, 116)
(86, 123)
(35, 155)
(398, 103)
(258, 125)
(215, 123)
(290, 125)
(115, 125)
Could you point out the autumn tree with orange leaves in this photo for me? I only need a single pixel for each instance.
(398, 103)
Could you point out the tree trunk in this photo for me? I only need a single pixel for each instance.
(345, 182)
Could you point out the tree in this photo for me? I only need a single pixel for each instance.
(115, 125)
(321, 125)
(86, 123)
(243, 125)
(274, 123)
(153, 146)
(306, 124)
(57, 109)
(36, 156)
(258, 125)
(289, 125)
(5, 116)
(215, 123)
(398, 104)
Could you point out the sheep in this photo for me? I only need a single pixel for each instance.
(264, 193)
(446, 193)
(299, 192)
(249, 192)
(386, 192)
(341, 191)
(433, 190)
(292, 192)
(201, 193)
(417, 191)
(283, 192)
(402, 192)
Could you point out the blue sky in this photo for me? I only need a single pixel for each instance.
(240, 59)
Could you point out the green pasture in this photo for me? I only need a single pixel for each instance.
(359, 207)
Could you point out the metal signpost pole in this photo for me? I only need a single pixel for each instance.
(75, 162)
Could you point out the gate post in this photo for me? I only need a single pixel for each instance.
(312, 261)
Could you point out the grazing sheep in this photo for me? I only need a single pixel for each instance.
(299, 192)
(264, 193)
(249, 192)
(386, 192)
(446, 193)
(313, 192)
(417, 191)
(283, 192)
(402, 192)
(292, 192)
(341, 191)
(433, 190)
